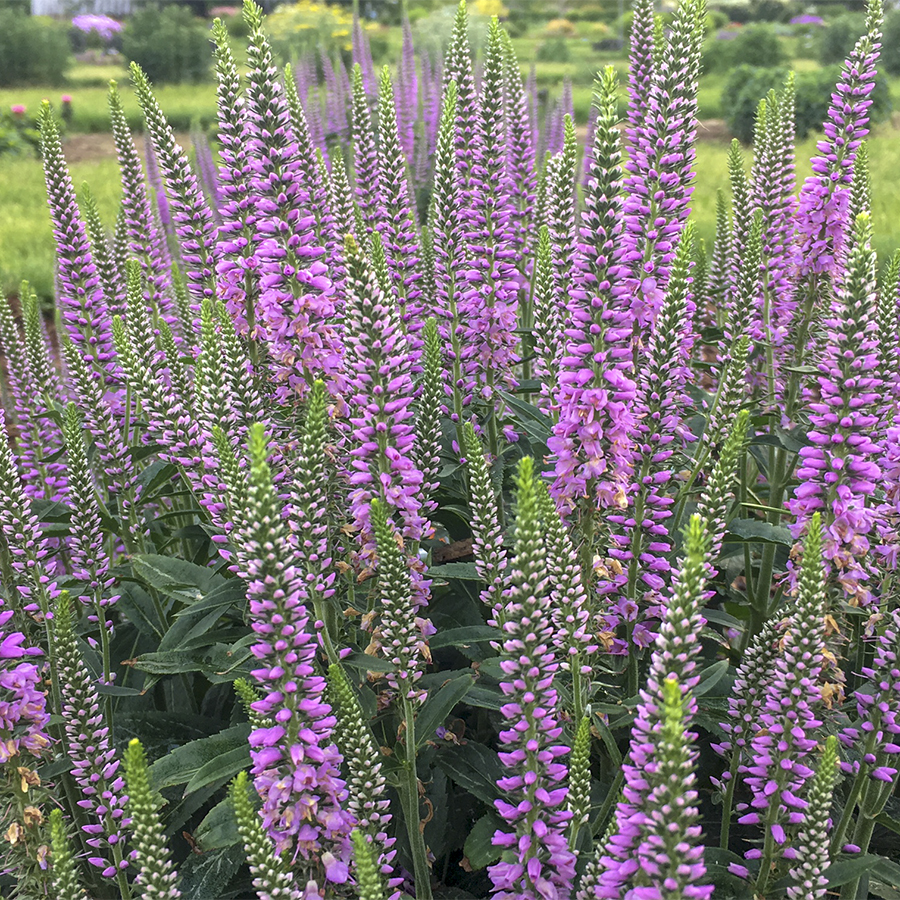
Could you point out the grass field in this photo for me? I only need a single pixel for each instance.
(26, 241)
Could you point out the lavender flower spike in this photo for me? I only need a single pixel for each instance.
(193, 218)
(825, 195)
(271, 878)
(95, 762)
(157, 877)
(380, 401)
(839, 471)
(81, 299)
(295, 763)
(536, 862)
(777, 766)
(812, 843)
(146, 242)
(638, 850)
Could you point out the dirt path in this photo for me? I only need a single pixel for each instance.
(88, 147)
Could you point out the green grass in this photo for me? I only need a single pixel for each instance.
(26, 238)
(182, 103)
(884, 161)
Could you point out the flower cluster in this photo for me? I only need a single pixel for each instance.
(98, 24)
(282, 419)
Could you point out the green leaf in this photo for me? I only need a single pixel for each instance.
(438, 706)
(221, 769)
(536, 423)
(175, 577)
(711, 676)
(209, 874)
(485, 697)
(368, 663)
(139, 610)
(115, 690)
(155, 475)
(185, 762)
(465, 571)
(478, 847)
(473, 767)
(169, 662)
(757, 531)
(466, 634)
(198, 618)
(225, 595)
(887, 871)
(219, 828)
(888, 822)
(845, 870)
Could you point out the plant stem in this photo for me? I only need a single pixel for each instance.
(728, 799)
(409, 792)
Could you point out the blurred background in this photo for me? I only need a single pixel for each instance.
(66, 51)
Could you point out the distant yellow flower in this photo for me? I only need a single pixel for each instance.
(489, 8)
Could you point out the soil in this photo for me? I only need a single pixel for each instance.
(88, 147)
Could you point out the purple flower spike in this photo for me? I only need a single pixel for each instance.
(146, 242)
(381, 399)
(821, 227)
(296, 293)
(489, 304)
(536, 861)
(785, 731)
(660, 169)
(655, 837)
(192, 217)
(592, 441)
(399, 232)
(295, 763)
(23, 708)
(640, 538)
(838, 472)
(83, 306)
(95, 762)
(236, 260)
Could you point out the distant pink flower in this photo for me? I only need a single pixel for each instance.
(18, 109)
(66, 98)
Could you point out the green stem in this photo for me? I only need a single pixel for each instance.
(776, 497)
(837, 839)
(612, 797)
(862, 835)
(409, 791)
(728, 799)
(765, 864)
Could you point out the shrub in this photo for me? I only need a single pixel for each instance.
(33, 50)
(747, 85)
(890, 45)
(838, 37)
(754, 45)
(304, 26)
(18, 132)
(554, 50)
(560, 28)
(170, 45)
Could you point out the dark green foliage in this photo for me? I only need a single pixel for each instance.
(170, 45)
(33, 49)
(890, 44)
(839, 37)
(554, 50)
(747, 85)
(754, 45)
